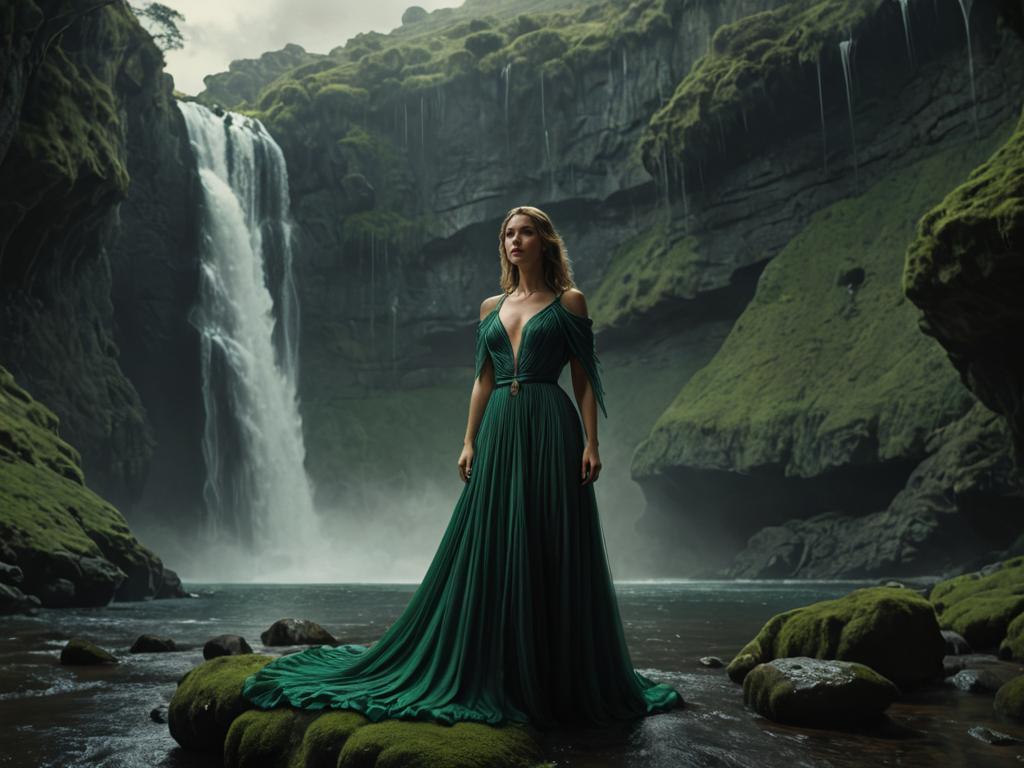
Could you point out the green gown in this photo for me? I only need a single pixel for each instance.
(516, 618)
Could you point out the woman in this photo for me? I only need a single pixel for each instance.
(516, 618)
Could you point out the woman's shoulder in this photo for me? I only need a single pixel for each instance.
(487, 305)
(574, 301)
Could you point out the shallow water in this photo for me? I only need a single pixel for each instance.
(65, 716)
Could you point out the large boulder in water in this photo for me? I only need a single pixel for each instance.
(1009, 701)
(981, 605)
(890, 629)
(297, 632)
(208, 713)
(815, 692)
(153, 644)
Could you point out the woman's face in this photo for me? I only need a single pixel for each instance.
(522, 243)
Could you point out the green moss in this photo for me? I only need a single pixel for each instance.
(334, 99)
(1009, 701)
(978, 225)
(208, 700)
(749, 62)
(892, 630)
(208, 713)
(44, 504)
(815, 374)
(1012, 646)
(981, 607)
(427, 745)
(833, 698)
(645, 271)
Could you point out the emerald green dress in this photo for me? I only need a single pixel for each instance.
(516, 618)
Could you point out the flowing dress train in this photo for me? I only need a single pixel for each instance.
(516, 618)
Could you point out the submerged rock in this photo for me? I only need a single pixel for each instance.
(82, 652)
(153, 644)
(711, 661)
(995, 738)
(985, 681)
(225, 645)
(297, 632)
(805, 691)
(953, 664)
(208, 713)
(891, 630)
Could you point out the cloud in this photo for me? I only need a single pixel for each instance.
(217, 32)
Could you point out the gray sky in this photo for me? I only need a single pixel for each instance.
(218, 31)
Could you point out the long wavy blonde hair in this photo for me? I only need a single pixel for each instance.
(557, 269)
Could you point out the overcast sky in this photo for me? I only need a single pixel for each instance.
(218, 31)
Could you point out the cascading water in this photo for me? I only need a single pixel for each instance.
(821, 110)
(965, 9)
(258, 499)
(846, 54)
(506, 76)
(905, 12)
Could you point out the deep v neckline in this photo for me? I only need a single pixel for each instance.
(522, 331)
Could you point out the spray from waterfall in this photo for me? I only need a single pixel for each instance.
(965, 8)
(259, 513)
(846, 55)
(905, 13)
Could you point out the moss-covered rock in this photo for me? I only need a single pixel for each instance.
(982, 605)
(208, 711)
(1012, 646)
(805, 691)
(965, 270)
(208, 700)
(890, 629)
(755, 62)
(1009, 701)
(61, 532)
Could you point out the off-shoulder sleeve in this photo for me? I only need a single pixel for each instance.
(579, 335)
(481, 348)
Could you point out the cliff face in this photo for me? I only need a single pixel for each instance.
(98, 267)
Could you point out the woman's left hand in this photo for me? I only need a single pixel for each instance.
(591, 467)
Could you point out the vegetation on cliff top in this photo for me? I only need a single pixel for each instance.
(752, 63)
(826, 366)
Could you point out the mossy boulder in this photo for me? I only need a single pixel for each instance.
(805, 691)
(1009, 701)
(208, 713)
(890, 629)
(1012, 646)
(981, 605)
(209, 698)
(965, 271)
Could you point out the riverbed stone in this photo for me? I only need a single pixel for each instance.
(208, 713)
(153, 644)
(13, 600)
(225, 645)
(989, 736)
(297, 632)
(984, 681)
(892, 630)
(79, 652)
(817, 692)
(1009, 701)
(981, 605)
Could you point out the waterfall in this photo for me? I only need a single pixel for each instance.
(373, 290)
(259, 510)
(821, 109)
(506, 76)
(846, 53)
(544, 122)
(423, 143)
(394, 336)
(965, 9)
(905, 12)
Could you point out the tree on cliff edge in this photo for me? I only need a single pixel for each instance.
(161, 22)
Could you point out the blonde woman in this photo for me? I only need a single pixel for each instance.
(516, 618)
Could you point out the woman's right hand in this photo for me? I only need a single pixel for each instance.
(466, 462)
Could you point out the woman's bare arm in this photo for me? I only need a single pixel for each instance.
(576, 302)
(482, 389)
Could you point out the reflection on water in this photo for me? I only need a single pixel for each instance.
(77, 717)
